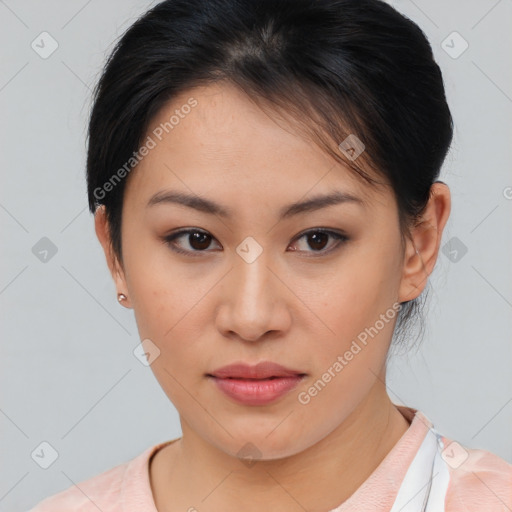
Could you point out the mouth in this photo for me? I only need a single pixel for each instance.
(259, 384)
(244, 378)
(265, 370)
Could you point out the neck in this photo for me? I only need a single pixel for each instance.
(319, 478)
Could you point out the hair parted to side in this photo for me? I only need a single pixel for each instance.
(337, 67)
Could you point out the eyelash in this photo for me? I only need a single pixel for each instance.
(169, 241)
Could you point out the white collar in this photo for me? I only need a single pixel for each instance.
(424, 486)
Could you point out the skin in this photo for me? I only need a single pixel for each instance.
(295, 305)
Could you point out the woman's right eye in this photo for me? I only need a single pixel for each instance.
(196, 239)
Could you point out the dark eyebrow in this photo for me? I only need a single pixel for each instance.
(208, 206)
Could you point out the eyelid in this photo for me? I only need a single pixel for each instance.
(168, 240)
(339, 236)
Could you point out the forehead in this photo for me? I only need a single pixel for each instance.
(215, 136)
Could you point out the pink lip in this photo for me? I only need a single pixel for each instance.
(256, 385)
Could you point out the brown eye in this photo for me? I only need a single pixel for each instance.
(318, 239)
(198, 241)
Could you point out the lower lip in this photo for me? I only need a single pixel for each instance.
(257, 392)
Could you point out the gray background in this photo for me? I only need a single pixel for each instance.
(68, 374)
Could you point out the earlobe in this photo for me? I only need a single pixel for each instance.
(103, 233)
(422, 248)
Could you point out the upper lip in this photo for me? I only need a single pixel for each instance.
(262, 370)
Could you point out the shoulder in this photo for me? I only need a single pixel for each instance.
(93, 494)
(479, 480)
(97, 493)
(100, 492)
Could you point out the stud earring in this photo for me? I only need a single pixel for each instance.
(121, 297)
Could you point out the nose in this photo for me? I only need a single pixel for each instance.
(253, 301)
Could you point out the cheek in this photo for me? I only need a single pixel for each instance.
(357, 294)
(158, 291)
(358, 308)
(170, 305)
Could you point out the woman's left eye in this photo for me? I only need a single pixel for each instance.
(318, 239)
(200, 240)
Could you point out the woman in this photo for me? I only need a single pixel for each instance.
(263, 176)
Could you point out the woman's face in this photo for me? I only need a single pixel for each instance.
(257, 285)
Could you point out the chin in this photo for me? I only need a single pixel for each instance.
(252, 446)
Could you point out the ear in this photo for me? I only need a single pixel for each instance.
(103, 233)
(425, 239)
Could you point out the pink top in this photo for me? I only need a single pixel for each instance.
(460, 479)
